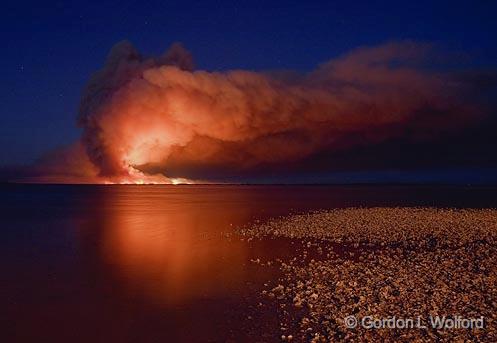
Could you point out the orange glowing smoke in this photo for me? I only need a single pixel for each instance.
(155, 120)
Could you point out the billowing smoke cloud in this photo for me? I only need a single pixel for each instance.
(157, 116)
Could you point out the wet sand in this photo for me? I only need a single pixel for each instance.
(383, 263)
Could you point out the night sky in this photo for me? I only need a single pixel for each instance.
(51, 49)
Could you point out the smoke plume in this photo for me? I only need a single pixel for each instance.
(157, 119)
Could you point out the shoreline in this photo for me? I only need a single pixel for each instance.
(402, 262)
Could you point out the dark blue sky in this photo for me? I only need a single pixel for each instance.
(50, 49)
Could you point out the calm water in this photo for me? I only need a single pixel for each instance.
(151, 263)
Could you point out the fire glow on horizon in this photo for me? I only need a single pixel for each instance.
(136, 177)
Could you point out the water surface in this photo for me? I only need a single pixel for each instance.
(154, 263)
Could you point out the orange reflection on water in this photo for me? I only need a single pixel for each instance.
(172, 247)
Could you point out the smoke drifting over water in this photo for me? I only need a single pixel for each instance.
(159, 120)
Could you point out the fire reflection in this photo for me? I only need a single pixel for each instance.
(172, 247)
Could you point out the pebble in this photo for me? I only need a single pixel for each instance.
(406, 262)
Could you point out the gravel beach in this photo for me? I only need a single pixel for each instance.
(384, 274)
